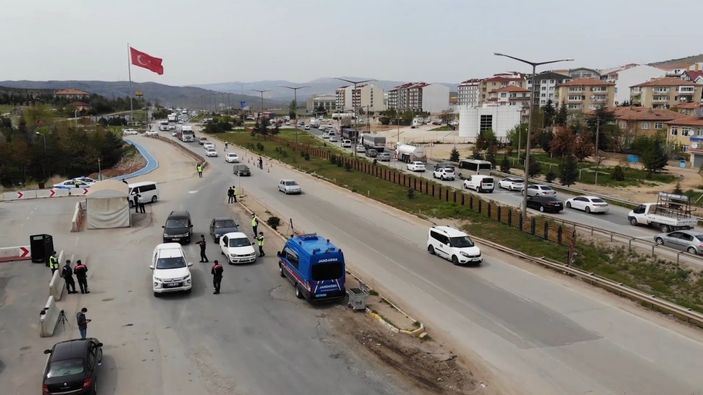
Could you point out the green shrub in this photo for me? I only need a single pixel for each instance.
(550, 176)
(411, 193)
(618, 174)
(273, 222)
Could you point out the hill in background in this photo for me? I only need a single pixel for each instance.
(688, 60)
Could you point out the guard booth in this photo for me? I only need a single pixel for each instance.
(41, 247)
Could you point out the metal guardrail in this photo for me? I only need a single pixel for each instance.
(680, 312)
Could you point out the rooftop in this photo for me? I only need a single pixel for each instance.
(71, 92)
(666, 81)
(687, 121)
(645, 114)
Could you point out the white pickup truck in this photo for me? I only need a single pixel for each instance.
(662, 217)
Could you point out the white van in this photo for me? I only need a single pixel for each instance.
(453, 245)
(480, 183)
(148, 189)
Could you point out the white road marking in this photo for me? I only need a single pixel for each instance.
(192, 192)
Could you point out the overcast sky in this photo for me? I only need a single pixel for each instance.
(433, 40)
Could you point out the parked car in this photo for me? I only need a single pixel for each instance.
(72, 367)
(171, 271)
(325, 135)
(208, 145)
(211, 153)
(480, 183)
(178, 227)
(371, 153)
(690, 241)
(307, 127)
(360, 149)
(346, 143)
(202, 140)
(151, 133)
(231, 157)
(444, 173)
(512, 183)
(416, 166)
(237, 248)
(545, 203)
(221, 226)
(384, 157)
(540, 190)
(333, 138)
(68, 184)
(453, 245)
(589, 204)
(87, 180)
(289, 186)
(241, 170)
(130, 132)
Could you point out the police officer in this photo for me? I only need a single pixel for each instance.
(216, 271)
(199, 169)
(81, 272)
(136, 196)
(260, 243)
(67, 274)
(53, 262)
(254, 223)
(202, 243)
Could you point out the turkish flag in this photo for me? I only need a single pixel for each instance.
(146, 61)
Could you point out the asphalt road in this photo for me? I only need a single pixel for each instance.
(254, 338)
(543, 333)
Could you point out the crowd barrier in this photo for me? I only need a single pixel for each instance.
(42, 194)
(15, 253)
(48, 318)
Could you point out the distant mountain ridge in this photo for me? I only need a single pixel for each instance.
(688, 60)
(167, 95)
(276, 90)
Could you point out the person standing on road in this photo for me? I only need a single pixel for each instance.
(81, 272)
(199, 169)
(226, 145)
(53, 262)
(230, 195)
(135, 200)
(202, 243)
(234, 193)
(261, 163)
(216, 271)
(254, 223)
(67, 274)
(260, 243)
(82, 322)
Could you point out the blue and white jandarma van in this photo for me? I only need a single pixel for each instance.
(314, 266)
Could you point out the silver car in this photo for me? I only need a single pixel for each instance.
(690, 241)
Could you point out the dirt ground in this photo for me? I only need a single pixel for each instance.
(427, 365)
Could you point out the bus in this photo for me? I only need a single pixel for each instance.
(475, 166)
(314, 266)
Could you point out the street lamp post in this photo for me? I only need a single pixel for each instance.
(295, 110)
(523, 208)
(356, 126)
(43, 166)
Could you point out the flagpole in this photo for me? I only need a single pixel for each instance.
(131, 87)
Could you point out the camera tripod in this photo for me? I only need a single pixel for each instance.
(62, 320)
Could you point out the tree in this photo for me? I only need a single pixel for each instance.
(549, 113)
(545, 140)
(677, 190)
(476, 154)
(454, 155)
(518, 134)
(550, 176)
(584, 146)
(535, 169)
(603, 121)
(446, 117)
(292, 109)
(562, 116)
(568, 170)
(485, 139)
(563, 142)
(505, 164)
(618, 174)
(491, 153)
(651, 152)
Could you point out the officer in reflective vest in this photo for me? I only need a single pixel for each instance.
(260, 243)
(53, 262)
(254, 223)
(199, 168)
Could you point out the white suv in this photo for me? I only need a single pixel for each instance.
(453, 245)
(444, 173)
(171, 273)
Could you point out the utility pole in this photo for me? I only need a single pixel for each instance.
(597, 155)
(295, 110)
(356, 127)
(261, 92)
(523, 208)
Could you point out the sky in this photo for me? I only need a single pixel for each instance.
(211, 41)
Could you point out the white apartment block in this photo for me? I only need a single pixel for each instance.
(367, 97)
(469, 92)
(546, 86)
(328, 102)
(499, 119)
(629, 75)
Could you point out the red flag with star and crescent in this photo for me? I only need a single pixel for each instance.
(146, 61)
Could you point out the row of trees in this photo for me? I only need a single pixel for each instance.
(222, 123)
(59, 149)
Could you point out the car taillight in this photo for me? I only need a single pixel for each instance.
(87, 383)
(45, 389)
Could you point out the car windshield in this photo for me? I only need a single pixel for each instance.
(170, 263)
(461, 242)
(327, 271)
(239, 242)
(65, 367)
(177, 223)
(698, 236)
(225, 224)
(544, 188)
(291, 183)
(518, 180)
(597, 200)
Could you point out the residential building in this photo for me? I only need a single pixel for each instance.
(583, 72)
(546, 86)
(510, 95)
(641, 121)
(499, 119)
(419, 97)
(328, 102)
(498, 81)
(665, 92)
(628, 75)
(343, 97)
(586, 94)
(470, 92)
(687, 133)
(364, 96)
(693, 76)
(687, 109)
(71, 93)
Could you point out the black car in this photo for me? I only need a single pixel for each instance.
(221, 226)
(545, 203)
(72, 367)
(241, 170)
(178, 227)
(371, 153)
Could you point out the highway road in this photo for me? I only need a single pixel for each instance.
(254, 338)
(543, 333)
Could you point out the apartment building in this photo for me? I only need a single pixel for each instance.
(693, 76)
(665, 92)
(419, 97)
(628, 75)
(498, 81)
(687, 109)
(546, 84)
(365, 96)
(641, 121)
(583, 72)
(509, 96)
(328, 102)
(500, 119)
(586, 94)
(343, 97)
(687, 132)
(470, 92)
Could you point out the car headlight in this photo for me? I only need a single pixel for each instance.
(156, 284)
(464, 254)
(165, 235)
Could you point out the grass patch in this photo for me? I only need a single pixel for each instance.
(445, 128)
(6, 108)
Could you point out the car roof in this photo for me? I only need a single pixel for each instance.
(449, 231)
(235, 235)
(169, 250)
(69, 349)
(287, 179)
(179, 214)
(218, 219)
(139, 184)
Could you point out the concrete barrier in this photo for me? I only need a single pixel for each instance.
(48, 318)
(51, 193)
(19, 195)
(77, 219)
(15, 253)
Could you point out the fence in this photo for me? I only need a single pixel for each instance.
(536, 226)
